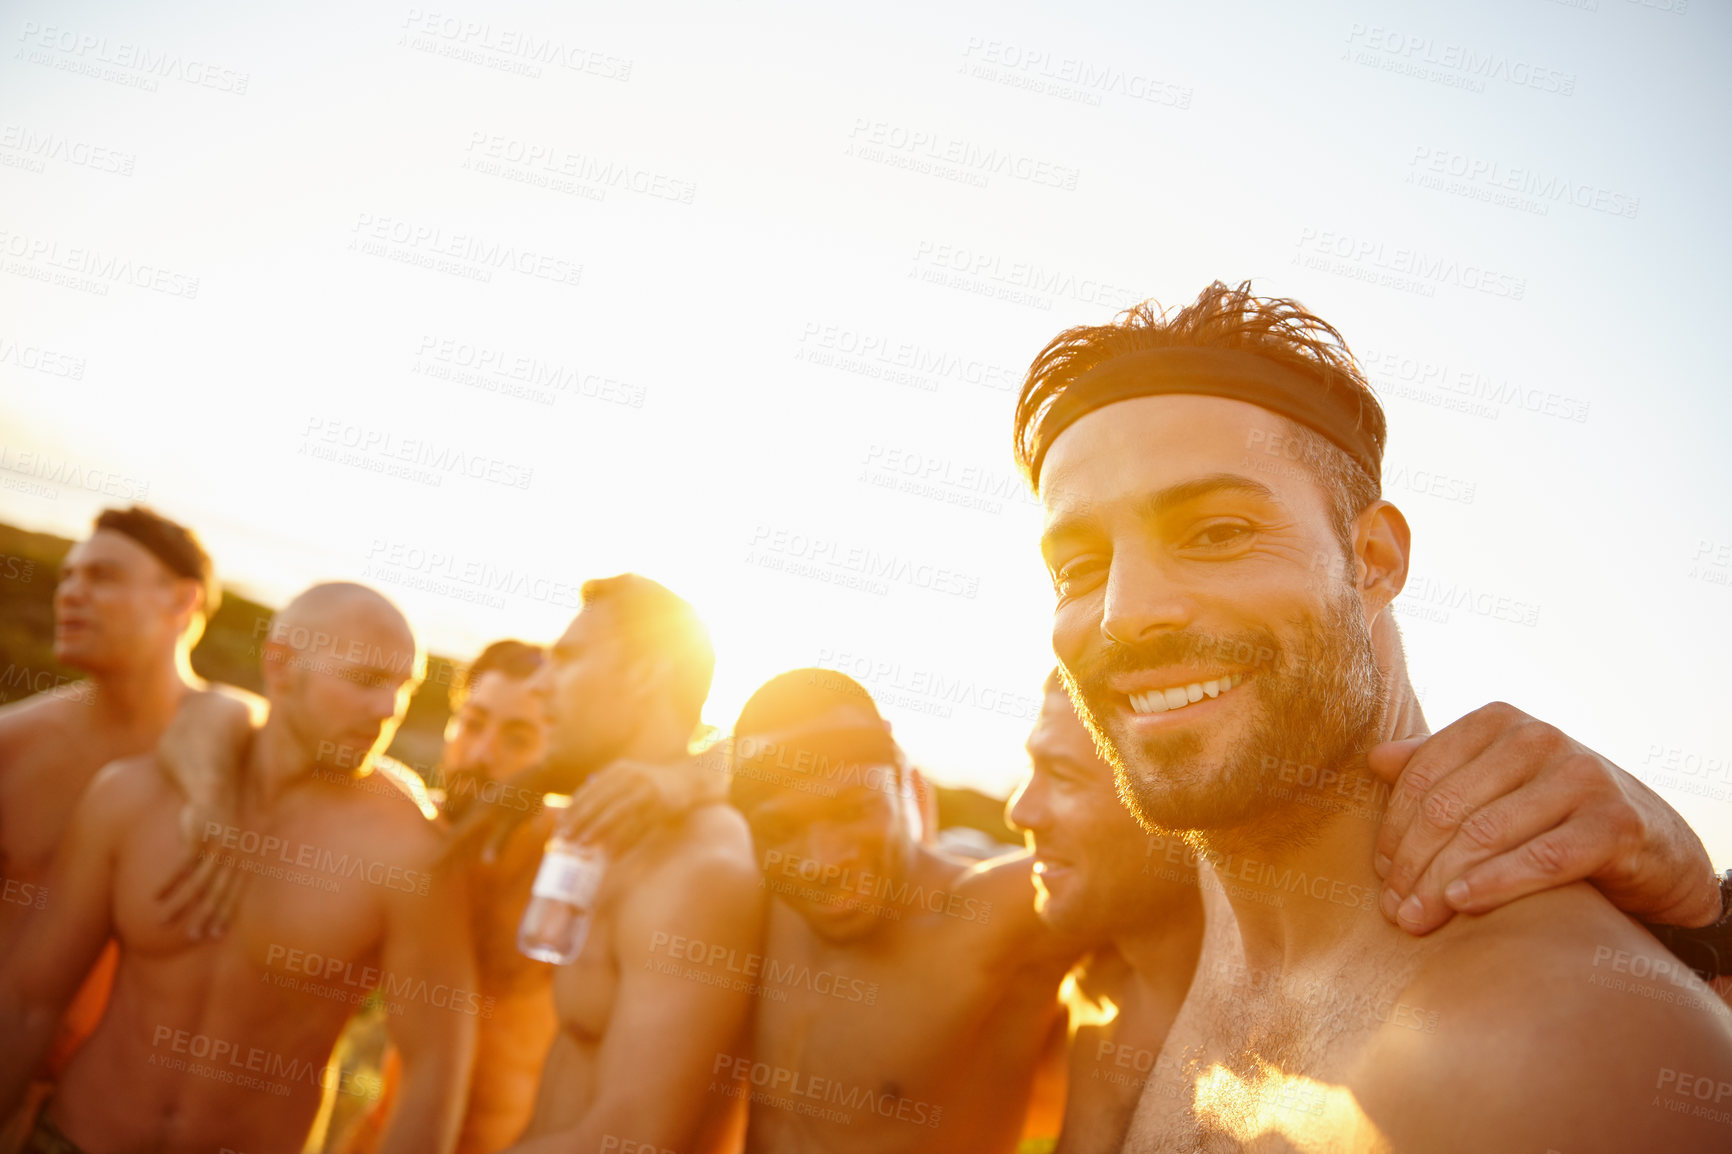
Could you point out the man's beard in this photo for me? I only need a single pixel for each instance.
(1318, 700)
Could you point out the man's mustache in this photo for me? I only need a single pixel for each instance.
(1242, 651)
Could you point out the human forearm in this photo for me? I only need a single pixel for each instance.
(430, 1102)
(28, 1028)
(609, 1126)
(202, 749)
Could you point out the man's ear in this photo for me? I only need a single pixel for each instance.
(274, 661)
(1381, 542)
(189, 606)
(645, 678)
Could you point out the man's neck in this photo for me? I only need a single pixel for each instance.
(276, 761)
(652, 745)
(1162, 945)
(145, 696)
(1296, 889)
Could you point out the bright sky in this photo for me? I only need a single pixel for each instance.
(497, 297)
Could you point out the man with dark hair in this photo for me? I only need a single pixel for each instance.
(1224, 632)
(637, 1040)
(132, 601)
(906, 995)
(498, 727)
(224, 1041)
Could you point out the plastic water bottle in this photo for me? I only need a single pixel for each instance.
(562, 901)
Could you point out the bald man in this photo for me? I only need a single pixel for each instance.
(224, 1042)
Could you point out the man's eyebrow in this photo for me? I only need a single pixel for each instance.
(1170, 498)
(1069, 526)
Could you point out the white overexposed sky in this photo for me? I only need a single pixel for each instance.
(497, 297)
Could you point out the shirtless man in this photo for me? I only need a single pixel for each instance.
(497, 731)
(223, 1042)
(637, 1041)
(130, 605)
(1225, 631)
(1098, 873)
(906, 995)
(1099, 876)
(132, 601)
(852, 1027)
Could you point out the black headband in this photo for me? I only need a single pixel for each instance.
(1333, 412)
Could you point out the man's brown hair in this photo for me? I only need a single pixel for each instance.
(1276, 328)
(173, 544)
(655, 622)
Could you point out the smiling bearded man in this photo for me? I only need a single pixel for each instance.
(1223, 620)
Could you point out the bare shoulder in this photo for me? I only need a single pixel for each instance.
(126, 789)
(39, 717)
(396, 809)
(709, 839)
(1544, 1037)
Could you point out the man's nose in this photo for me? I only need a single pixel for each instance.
(1026, 811)
(1142, 598)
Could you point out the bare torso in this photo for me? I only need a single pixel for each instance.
(1383, 1044)
(51, 745)
(518, 1022)
(923, 1037)
(226, 1043)
(586, 996)
(1119, 1022)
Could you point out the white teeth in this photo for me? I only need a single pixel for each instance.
(1163, 700)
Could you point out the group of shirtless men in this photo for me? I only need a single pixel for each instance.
(1261, 907)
